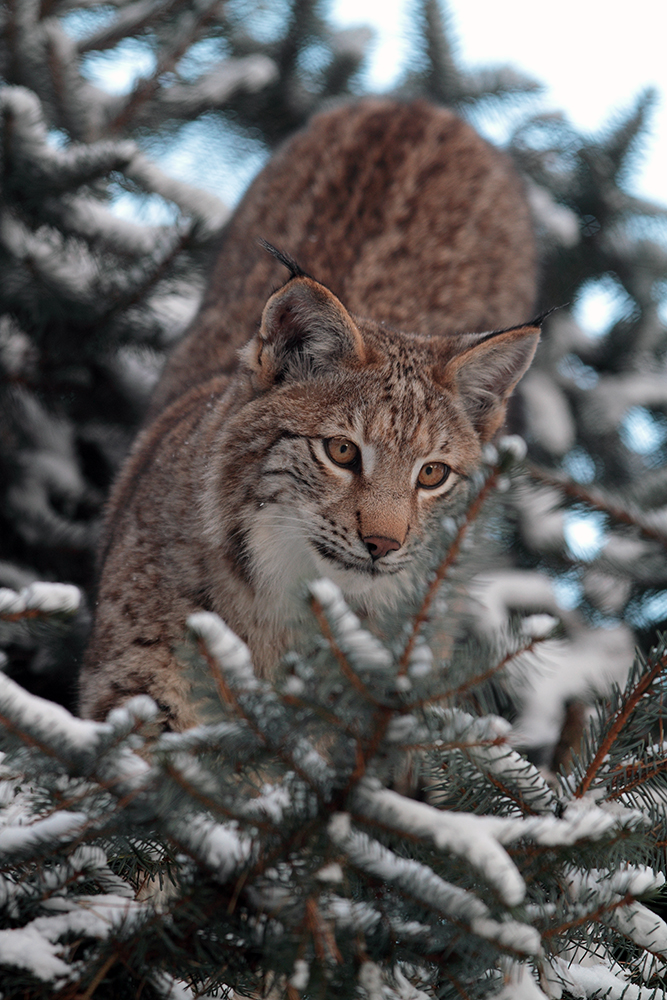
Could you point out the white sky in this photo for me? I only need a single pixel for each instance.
(594, 56)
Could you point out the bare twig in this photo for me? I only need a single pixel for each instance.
(450, 558)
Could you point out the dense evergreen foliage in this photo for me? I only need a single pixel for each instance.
(368, 826)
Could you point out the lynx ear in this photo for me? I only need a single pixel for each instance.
(304, 331)
(485, 374)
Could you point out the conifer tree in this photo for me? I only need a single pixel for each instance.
(368, 825)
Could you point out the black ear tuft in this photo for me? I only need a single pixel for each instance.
(285, 259)
(485, 373)
(305, 332)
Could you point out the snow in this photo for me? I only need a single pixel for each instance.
(591, 660)
(501, 592)
(251, 73)
(39, 716)
(377, 984)
(26, 948)
(211, 213)
(473, 838)
(540, 521)
(559, 223)
(633, 920)
(548, 412)
(300, 975)
(26, 836)
(477, 736)
(637, 880)
(410, 876)
(587, 981)
(538, 626)
(52, 597)
(34, 947)
(225, 646)
(176, 989)
(519, 984)
(512, 446)
(11, 603)
(140, 708)
(271, 804)
(421, 661)
(359, 916)
(219, 845)
(48, 598)
(365, 651)
(581, 821)
(608, 402)
(331, 873)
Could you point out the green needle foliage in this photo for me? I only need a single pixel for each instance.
(284, 845)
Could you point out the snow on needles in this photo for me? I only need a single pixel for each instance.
(364, 650)
(35, 947)
(225, 646)
(47, 598)
(480, 839)
(422, 883)
(32, 713)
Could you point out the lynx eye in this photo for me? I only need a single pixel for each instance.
(341, 451)
(432, 475)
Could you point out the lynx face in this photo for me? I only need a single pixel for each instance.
(360, 437)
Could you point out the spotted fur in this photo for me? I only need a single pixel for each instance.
(231, 498)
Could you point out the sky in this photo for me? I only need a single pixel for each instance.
(593, 56)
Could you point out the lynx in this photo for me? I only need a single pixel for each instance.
(322, 428)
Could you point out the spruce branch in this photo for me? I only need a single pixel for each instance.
(646, 681)
(464, 687)
(147, 87)
(130, 20)
(596, 501)
(341, 659)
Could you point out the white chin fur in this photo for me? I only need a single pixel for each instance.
(283, 562)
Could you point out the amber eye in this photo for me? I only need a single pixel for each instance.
(432, 474)
(341, 451)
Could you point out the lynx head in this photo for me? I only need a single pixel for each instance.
(353, 440)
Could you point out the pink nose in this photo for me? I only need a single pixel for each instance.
(378, 545)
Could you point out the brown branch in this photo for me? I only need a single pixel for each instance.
(622, 716)
(516, 799)
(19, 616)
(637, 774)
(588, 917)
(29, 740)
(211, 804)
(343, 663)
(324, 942)
(365, 749)
(122, 28)
(227, 697)
(472, 682)
(99, 976)
(596, 501)
(445, 565)
(457, 986)
(139, 293)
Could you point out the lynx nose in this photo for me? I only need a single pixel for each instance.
(378, 545)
